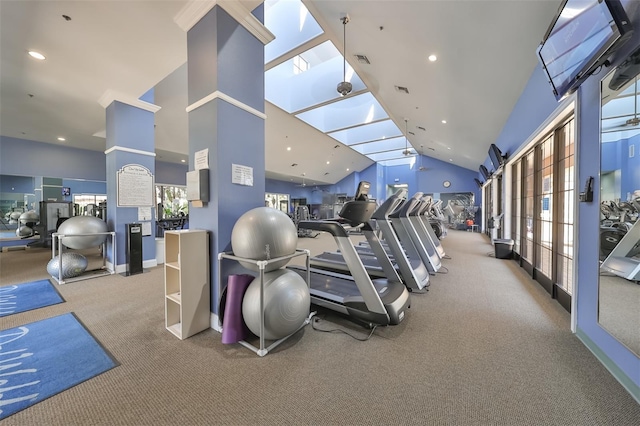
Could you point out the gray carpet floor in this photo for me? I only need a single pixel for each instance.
(485, 346)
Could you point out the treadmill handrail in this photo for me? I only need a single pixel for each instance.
(331, 226)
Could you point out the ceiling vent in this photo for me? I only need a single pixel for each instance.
(362, 59)
(411, 133)
(421, 128)
(402, 89)
(294, 164)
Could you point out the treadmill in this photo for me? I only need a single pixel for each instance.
(424, 221)
(375, 257)
(414, 230)
(371, 302)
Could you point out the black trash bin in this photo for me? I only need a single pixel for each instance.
(503, 248)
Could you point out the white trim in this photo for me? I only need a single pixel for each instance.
(111, 96)
(151, 263)
(192, 12)
(576, 216)
(131, 150)
(195, 10)
(215, 323)
(240, 13)
(219, 95)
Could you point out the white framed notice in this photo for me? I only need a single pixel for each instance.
(201, 159)
(146, 229)
(242, 175)
(135, 186)
(144, 213)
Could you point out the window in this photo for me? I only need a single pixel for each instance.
(171, 201)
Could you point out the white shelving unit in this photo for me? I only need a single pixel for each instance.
(186, 282)
(262, 264)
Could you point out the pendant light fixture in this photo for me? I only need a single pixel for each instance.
(344, 88)
(406, 140)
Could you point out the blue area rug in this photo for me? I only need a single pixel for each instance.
(40, 359)
(27, 296)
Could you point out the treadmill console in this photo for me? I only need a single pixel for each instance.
(357, 212)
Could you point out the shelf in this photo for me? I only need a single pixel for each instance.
(175, 297)
(176, 329)
(174, 265)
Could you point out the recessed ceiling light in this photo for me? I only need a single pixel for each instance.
(448, 147)
(328, 162)
(347, 169)
(61, 139)
(288, 148)
(183, 160)
(36, 55)
(450, 159)
(444, 121)
(433, 58)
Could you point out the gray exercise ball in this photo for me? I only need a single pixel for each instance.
(29, 217)
(83, 225)
(24, 231)
(286, 304)
(73, 264)
(264, 233)
(14, 216)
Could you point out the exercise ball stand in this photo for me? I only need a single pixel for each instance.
(106, 269)
(262, 265)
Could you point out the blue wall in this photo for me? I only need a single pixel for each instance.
(171, 173)
(43, 159)
(589, 214)
(17, 184)
(28, 158)
(534, 106)
(430, 181)
(615, 156)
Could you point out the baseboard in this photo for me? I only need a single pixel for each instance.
(122, 269)
(615, 371)
(215, 323)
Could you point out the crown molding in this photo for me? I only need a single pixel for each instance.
(195, 10)
(222, 96)
(111, 95)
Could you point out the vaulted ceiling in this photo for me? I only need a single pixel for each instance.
(485, 55)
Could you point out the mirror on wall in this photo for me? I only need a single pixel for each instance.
(619, 289)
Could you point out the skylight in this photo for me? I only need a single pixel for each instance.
(308, 79)
(348, 112)
(304, 84)
(291, 23)
(371, 132)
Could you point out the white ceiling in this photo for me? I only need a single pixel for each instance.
(485, 49)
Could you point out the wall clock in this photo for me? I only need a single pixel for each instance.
(446, 184)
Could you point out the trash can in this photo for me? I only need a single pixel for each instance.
(503, 248)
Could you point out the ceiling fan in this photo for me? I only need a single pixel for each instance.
(344, 87)
(303, 184)
(421, 168)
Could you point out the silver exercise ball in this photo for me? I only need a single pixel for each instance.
(83, 225)
(264, 233)
(24, 231)
(29, 217)
(14, 216)
(73, 264)
(286, 304)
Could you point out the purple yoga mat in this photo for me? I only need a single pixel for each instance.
(233, 327)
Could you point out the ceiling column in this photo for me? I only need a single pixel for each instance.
(130, 156)
(225, 60)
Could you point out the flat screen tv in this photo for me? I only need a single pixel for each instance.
(583, 34)
(496, 156)
(484, 172)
